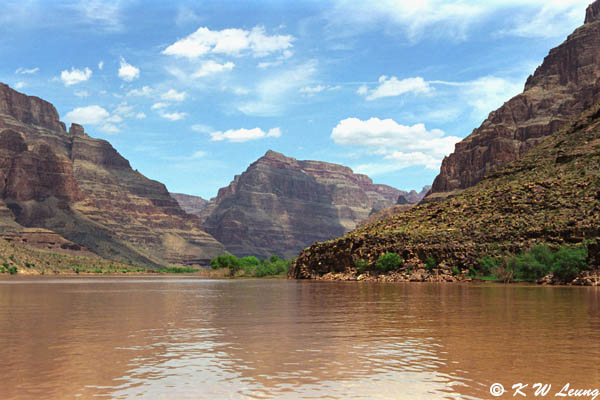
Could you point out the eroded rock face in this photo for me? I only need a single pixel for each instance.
(561, 88)
(279, 205)
(34, 174)
(29, 110)
(190, 204)
(84, 190)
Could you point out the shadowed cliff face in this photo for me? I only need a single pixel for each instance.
(83, 189)
(561, 88)
(279, 205)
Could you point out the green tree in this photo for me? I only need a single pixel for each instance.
(226, 261)
(388, 262)
(568, 262)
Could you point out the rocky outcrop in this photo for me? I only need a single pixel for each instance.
(191, 204)
(550, 195)
(279, 205)
(561, 88)
(82, 189)
(29, 110)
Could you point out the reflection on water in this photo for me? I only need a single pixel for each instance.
(187, 338)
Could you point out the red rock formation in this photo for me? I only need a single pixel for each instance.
(564, 85)
(280, 205)
(84, 190)
(29, 110)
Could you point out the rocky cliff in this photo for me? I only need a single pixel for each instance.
(84, 190)
(279, 205)
(561, 88)
(550, 195)
(191, 204)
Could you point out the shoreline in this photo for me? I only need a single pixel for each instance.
(586, 278)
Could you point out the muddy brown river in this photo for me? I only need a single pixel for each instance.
(189, 338)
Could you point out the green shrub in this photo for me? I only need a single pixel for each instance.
(568, 262)
(249, 260)
(455, 270)
(226, 261)
(565, 263)
(430, 263)
(361, 265)
(486, 265)
(533, 264)
(251, 266)
(388, 262)
(180, 270)
(12, 270)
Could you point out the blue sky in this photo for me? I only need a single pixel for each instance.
(192, 92)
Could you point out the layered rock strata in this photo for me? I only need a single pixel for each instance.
(561, 88)
(279, 205)
(84, 190)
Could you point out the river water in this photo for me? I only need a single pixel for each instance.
(189, 338)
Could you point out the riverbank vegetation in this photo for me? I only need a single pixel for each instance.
(251, 266)
(562, 264)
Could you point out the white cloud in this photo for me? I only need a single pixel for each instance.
(240, 91)
(278, 61)
(81, 93)
(413, 17)
(101, 65)
(244, 135)
(110, 128)
(174, 116)
(19, 85)
(25, 71)
(173, 95)
(312, 89)
(115, 119)
(406, 145)
(232, 42)
(128, 72)
(75, 76)
(124, 110)
(490, 92)
(554, 19)
(486, 93)
(211, 67)
(275, 92)
(106, 15)
(140, 115)
(418, 19)
(91, 115)
(145, 91)
(392, 86)
(159, 106)
(198, 154)
(309, 91)
(96, 115)
(201, 128)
